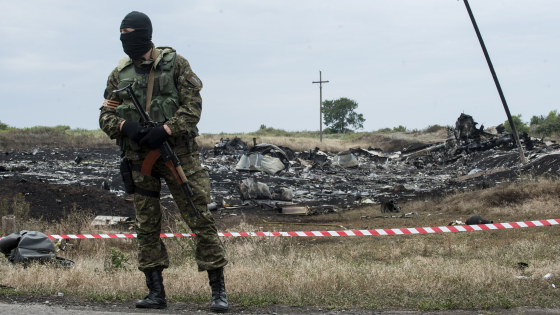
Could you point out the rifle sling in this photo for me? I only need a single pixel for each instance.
(151, 81)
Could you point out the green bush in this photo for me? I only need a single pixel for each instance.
(117, 261)
(520, 126)
(546, 126)
(400, 128)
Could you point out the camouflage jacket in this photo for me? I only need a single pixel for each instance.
(182, 124)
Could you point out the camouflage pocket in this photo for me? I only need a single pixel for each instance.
(156, 112)
(190, 163)
(128, 112)
(162, 110)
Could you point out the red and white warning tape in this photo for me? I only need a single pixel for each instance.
(375, 232)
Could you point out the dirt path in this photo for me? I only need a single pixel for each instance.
(58, 308)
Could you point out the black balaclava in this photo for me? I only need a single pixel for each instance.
(137, 43)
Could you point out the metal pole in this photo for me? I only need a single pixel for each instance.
(320, 104)
(502, 97)
(320, 108)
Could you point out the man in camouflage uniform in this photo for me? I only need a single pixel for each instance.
(176, 104)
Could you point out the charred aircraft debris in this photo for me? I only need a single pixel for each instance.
(273, 177)
(326, 182)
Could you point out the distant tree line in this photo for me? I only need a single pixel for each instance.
(542, 126)
(57, 128)
(400, 128)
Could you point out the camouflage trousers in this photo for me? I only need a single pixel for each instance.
(152, 254)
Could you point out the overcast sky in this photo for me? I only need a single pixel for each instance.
(414, 63)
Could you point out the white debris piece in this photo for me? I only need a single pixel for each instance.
(104, 220)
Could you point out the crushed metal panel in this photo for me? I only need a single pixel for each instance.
(426, 151)
(346, 159)
(365, 201)
(283, 194)
(271, 165)
(258, 162)
(251, 162)
(295, 210)
(465, 129)
(267, 149)
(314, 157)
(227, 146)
(251, 189)
(376, 154)
(320, 157)
(479, 173)
(303, 162)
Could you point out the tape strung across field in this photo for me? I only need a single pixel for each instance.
(375, 232)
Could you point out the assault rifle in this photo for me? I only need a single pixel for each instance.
(164, 152)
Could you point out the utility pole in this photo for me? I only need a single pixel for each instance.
(320, 105)
(502, 97)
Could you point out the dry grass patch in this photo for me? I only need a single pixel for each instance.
(389, 142)
(60, 136)
(295, 143)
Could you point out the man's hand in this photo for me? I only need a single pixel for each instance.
(155, 137)
(133, 130)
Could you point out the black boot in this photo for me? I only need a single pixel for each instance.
(156, 296)
(219, 302)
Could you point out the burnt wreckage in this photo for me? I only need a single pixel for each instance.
(276, 178)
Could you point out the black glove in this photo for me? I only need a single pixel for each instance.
(133, 130)
(155, 137)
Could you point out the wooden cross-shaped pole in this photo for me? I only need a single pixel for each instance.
(320, 105)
